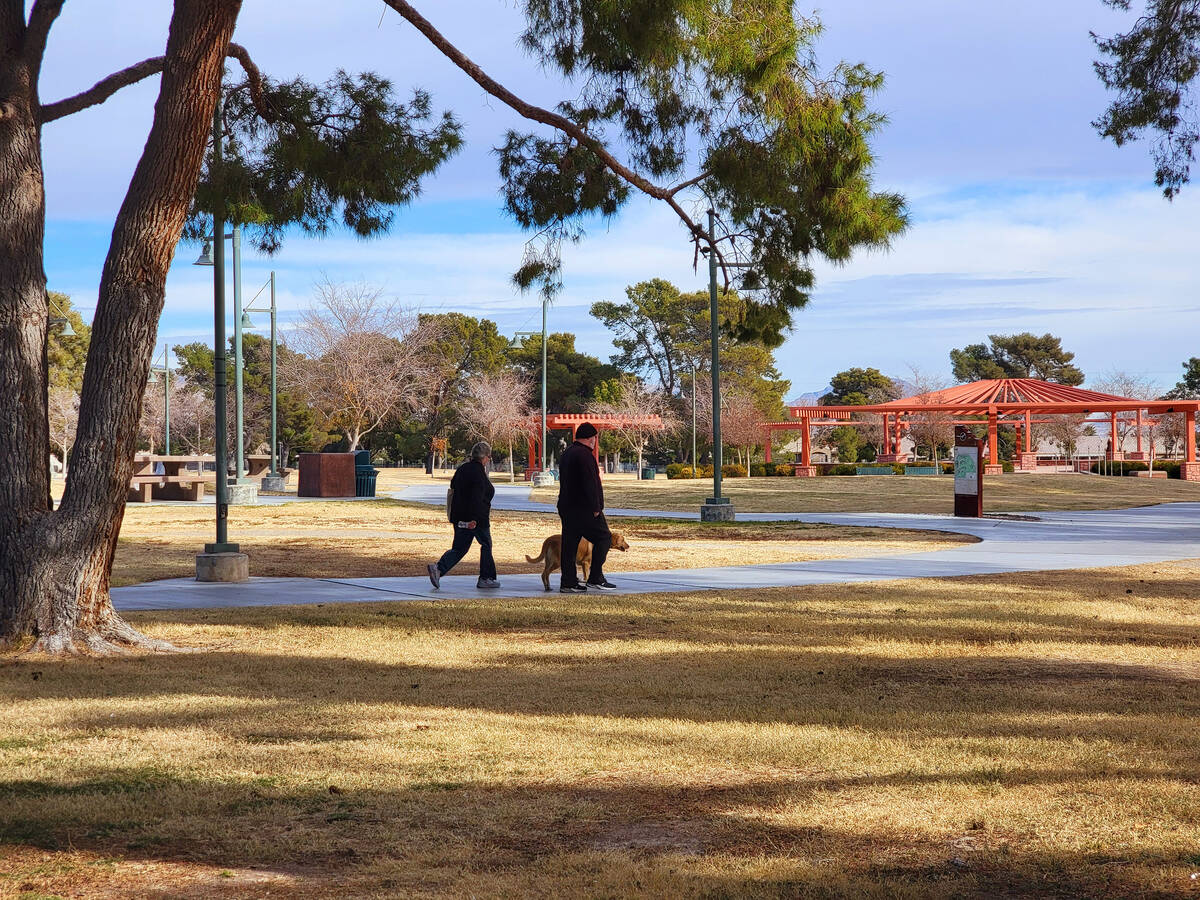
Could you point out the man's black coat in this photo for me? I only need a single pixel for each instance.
(579, 488)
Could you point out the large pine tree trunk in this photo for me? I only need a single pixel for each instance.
(55, 564)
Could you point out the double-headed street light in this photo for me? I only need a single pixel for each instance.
(165, 369)
(541, 474)
(246, 324)
(207, 258)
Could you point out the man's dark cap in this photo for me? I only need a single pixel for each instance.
(586, 430)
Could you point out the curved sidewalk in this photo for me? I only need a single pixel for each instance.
(1054, 540)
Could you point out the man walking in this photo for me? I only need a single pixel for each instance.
(470, 507)
(581, 509)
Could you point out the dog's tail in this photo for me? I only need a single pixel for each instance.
(538, 558)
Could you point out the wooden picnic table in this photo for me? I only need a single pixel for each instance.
(166, 478)
(259, 464)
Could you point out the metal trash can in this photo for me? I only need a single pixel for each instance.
(648, 474)
(364, 474)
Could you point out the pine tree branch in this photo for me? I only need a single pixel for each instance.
(544, 116)
(254, 77)
(106, 87)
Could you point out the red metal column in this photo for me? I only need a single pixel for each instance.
(767, 447)
(805, 450)
(1139, 432)
(1112, 435)
(1028, 433)
(1189, 469)
(993, 438)
(887, 436)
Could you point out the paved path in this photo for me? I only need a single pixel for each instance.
(1056, 540)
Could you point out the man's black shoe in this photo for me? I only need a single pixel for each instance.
(572, 589)
(604, 585)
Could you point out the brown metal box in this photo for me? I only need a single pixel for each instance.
(326, 475)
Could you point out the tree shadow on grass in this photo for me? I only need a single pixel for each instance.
(564, 839)
(974, 610)
(969, 696)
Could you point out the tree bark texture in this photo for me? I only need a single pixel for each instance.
(55, 564)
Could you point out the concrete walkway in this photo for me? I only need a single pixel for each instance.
(1055, 540)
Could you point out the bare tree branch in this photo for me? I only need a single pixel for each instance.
(41, 17)
(106, 87)
(102, 89)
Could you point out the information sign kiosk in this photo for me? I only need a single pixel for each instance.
(968, 473)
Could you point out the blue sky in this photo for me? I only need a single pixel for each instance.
(1023, 219)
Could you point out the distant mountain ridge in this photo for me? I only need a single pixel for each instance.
(811, 398)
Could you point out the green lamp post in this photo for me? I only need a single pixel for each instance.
(276, 482)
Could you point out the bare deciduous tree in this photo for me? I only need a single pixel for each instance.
(63, 411)
(1171, 431)
(192, 422)
(1126, 384)
(496, 410)
(928, 427)
(741, 418)
(632, 408)
(1064, 432)
(360, 359)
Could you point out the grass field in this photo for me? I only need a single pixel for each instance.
(893, 493)
(1035, 736)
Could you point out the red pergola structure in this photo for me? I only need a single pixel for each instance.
(1011, 401)
(571, 421)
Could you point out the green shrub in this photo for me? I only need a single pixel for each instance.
(770, 468)
(947, 468)
(1170, 466)
(675, 470)
(842, 469)
(786, 469)
(1007, 465)
(897, 468)
(706, 471)
(733, 470)
(758, 470)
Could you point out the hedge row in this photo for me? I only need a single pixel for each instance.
(729, 470)
(1170, 466)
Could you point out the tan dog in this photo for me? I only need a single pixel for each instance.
(552, 554)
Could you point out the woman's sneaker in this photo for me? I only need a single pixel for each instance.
(435, 577)
(487, 583)
(572, 589)
(604, 585)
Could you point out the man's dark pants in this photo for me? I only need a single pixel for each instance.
(576, 525)
(482, 532)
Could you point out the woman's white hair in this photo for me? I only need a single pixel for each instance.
(481, 451)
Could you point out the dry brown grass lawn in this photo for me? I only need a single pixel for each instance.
(1035, 736)
(387, 538)
(893, 493)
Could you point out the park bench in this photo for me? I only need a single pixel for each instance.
(172, 483)
(874, 470)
